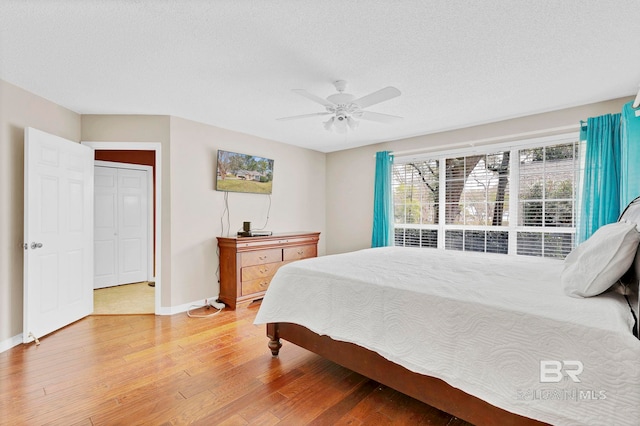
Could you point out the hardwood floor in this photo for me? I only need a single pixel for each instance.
(171, 370)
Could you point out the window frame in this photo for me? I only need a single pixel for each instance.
(513, 228)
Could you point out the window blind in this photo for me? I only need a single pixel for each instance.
(520, 201)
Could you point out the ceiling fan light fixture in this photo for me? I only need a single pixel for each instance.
(353, 124)
(340, 126)
(328, 124)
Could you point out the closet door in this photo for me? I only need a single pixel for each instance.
(132, 226)
(121, 226)
(106, 232)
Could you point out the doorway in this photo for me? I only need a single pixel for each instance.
(156, 151)
(123, 237)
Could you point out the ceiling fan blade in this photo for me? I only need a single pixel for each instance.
(377, 97)
(382, 118)
(314, 98)
(295, 117)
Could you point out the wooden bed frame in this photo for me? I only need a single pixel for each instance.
(430, 390)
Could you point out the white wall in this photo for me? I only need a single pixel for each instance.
(297, 202)
(350, 173)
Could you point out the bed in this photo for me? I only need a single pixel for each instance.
(491, 339)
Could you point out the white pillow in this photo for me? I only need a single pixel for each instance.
(596, 264)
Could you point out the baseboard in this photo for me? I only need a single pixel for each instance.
(5, 345)
(172, 310)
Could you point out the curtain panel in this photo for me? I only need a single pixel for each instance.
(630, 155)
(601, 186)
(382, 234)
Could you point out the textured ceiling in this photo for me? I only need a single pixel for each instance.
(233, 63)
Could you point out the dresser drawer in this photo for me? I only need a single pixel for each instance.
(260, 257)
(255, 286)
(300, 252)
(259, 271)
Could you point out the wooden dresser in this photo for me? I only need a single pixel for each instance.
(247, 264)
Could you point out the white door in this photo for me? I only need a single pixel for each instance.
(106, 227)
(132, 226)
(121, 226)
(58, 233)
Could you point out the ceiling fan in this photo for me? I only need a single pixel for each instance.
(345, 108)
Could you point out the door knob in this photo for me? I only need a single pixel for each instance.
(36, 245)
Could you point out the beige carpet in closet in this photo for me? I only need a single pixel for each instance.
(136, 298)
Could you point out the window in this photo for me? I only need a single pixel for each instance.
(415, 192)
(547, 207)
(517, 200)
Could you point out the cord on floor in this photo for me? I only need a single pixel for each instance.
(207, 306)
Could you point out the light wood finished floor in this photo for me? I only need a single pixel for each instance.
(171, 370)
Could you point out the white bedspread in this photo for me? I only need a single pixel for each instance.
(480, 322)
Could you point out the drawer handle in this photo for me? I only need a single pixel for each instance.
(264, 283)
(263, 270)
(262, 257)
(300, 252)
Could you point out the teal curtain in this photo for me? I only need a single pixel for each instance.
(583, 130)
(630, 155)
(383, 201)
(601, 186)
